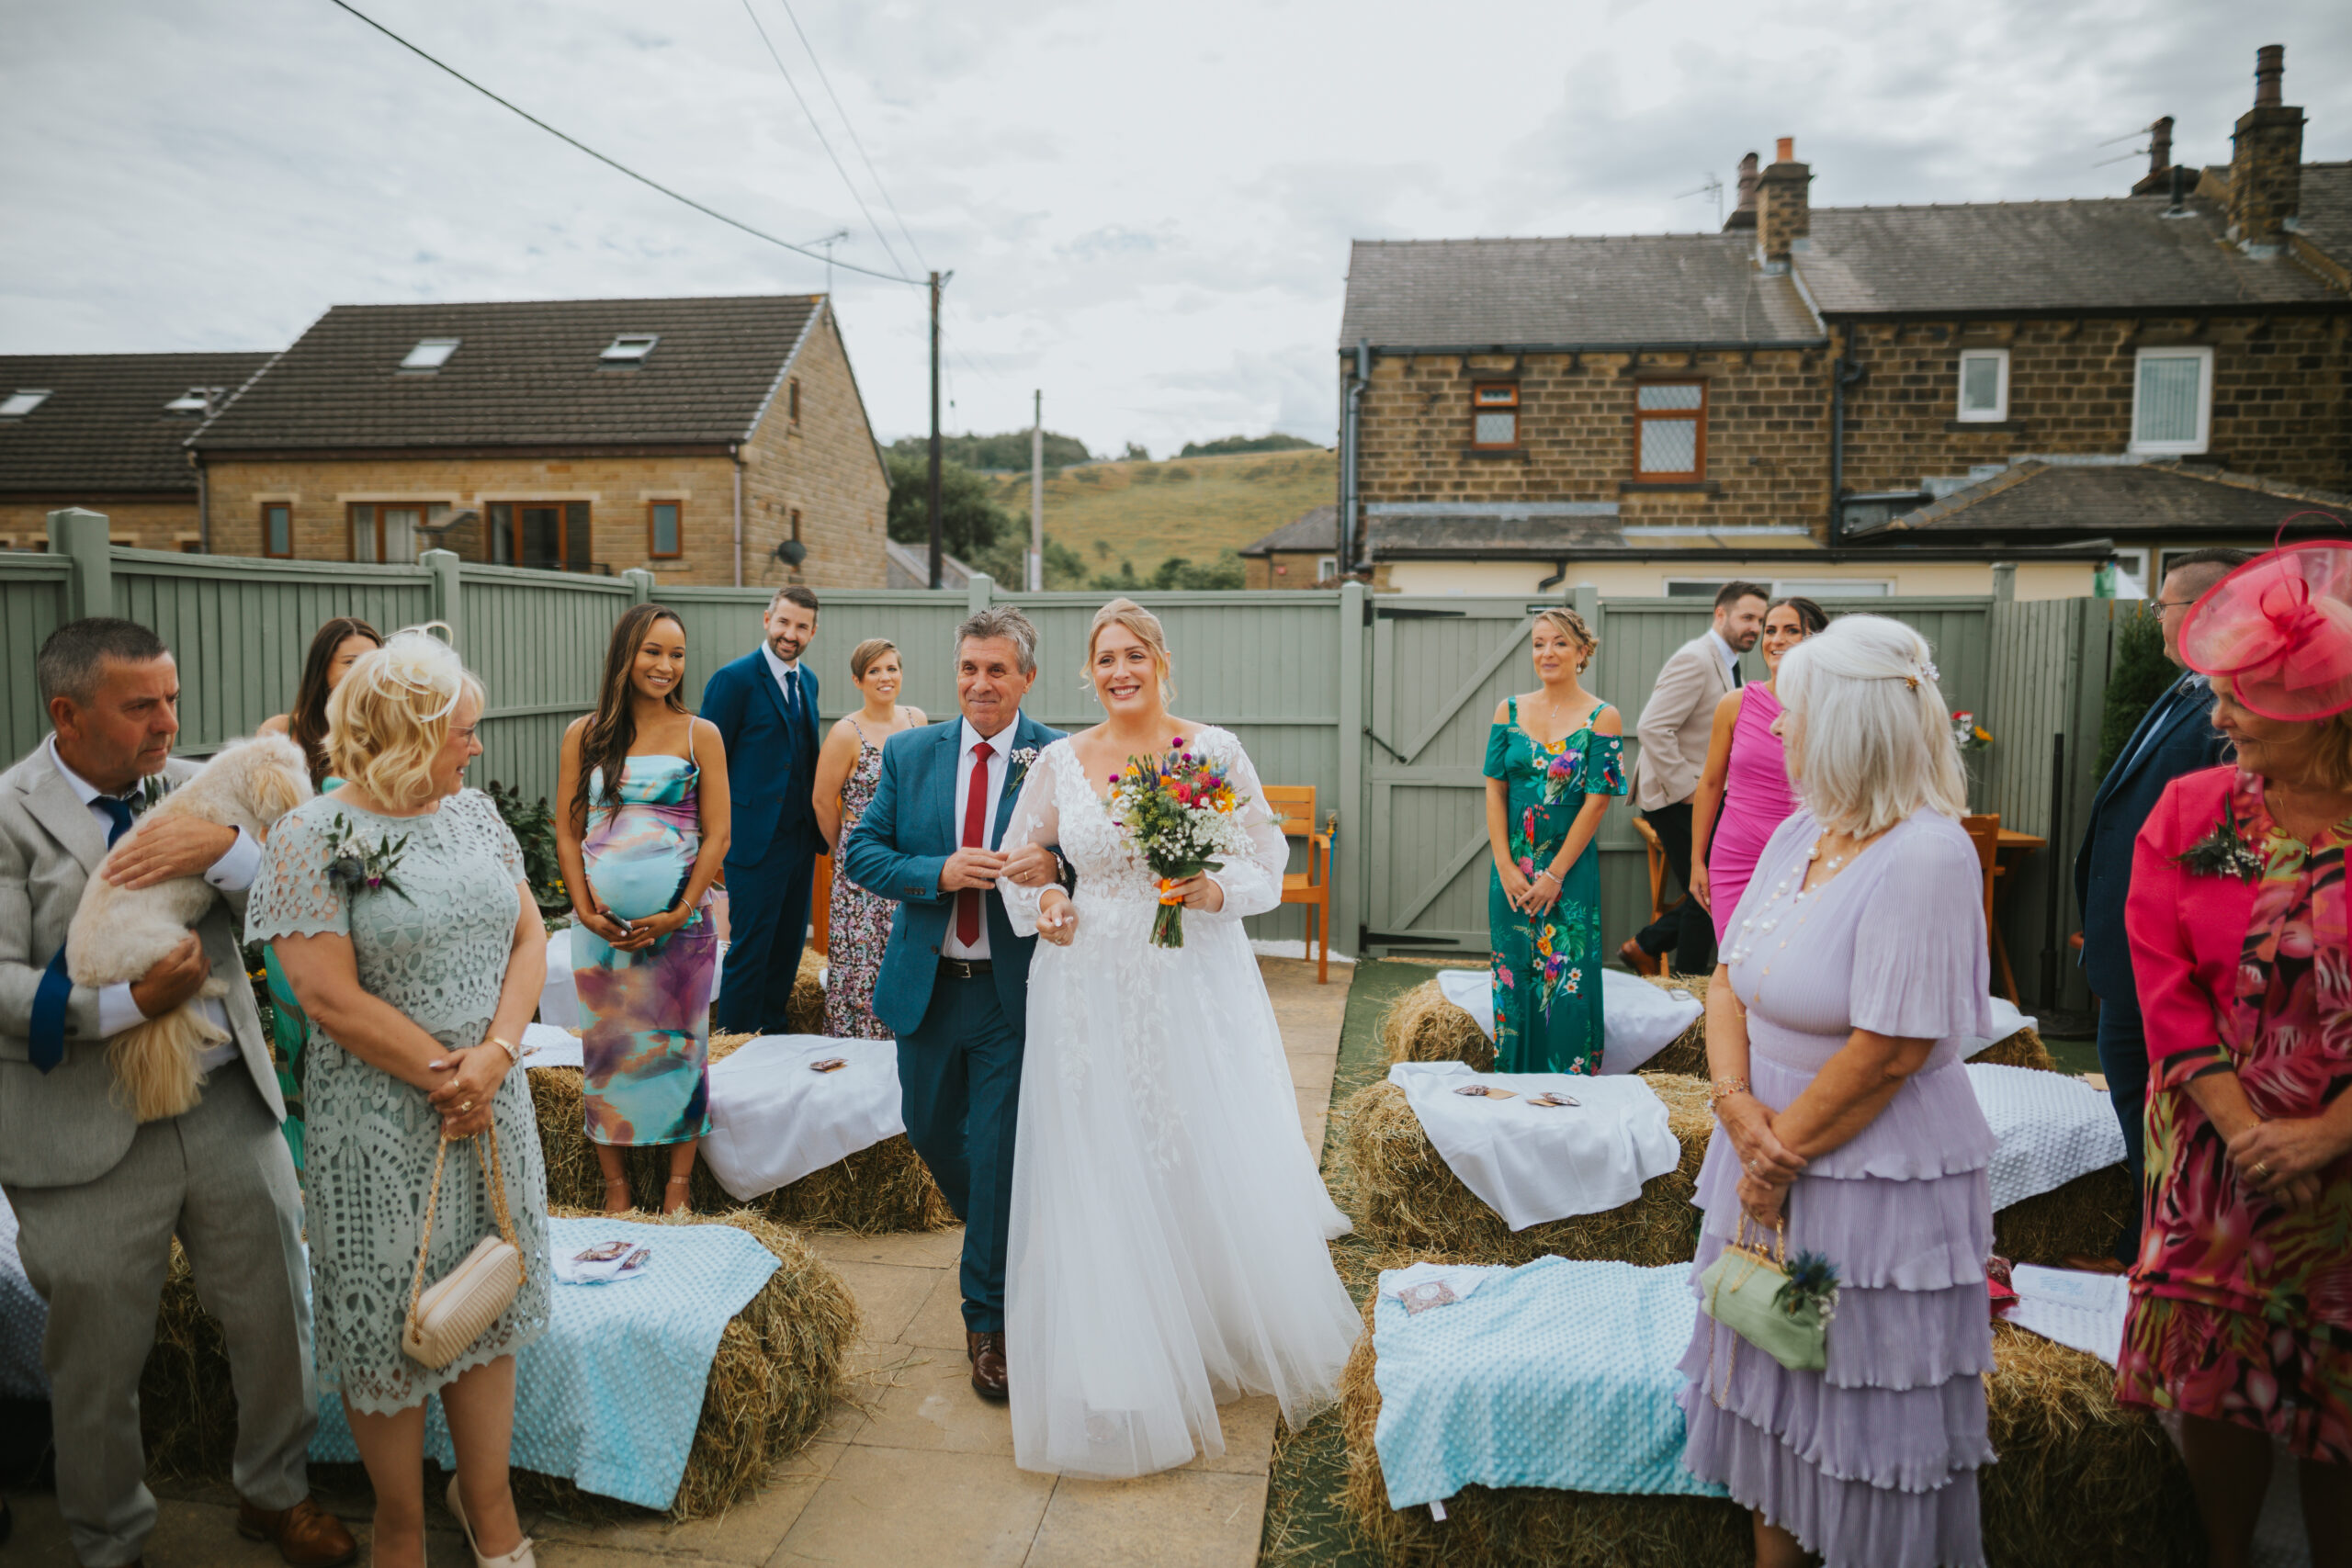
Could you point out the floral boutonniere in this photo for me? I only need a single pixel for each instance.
(358, 868)
(1017, 763)
(1812, 1285)
(152, 790)
(2224, 852)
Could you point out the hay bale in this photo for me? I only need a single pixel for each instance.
(1686, 1053)
(1422, 1026)
(781, 1365)
(1521, 1526)
(1407, 1197)
(804, 1011)
(2081, 1480)
(884, 1188)
(2081, 1219)
(2023, 1049)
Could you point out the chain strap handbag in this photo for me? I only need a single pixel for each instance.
(462, 1304)
(1748, 1290)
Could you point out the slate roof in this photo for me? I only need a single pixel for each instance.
(1640, 291)
(2116, 253)
(1316, 529)
(2324, 202)
(103, 427)
(525, 374)
(2051, 500)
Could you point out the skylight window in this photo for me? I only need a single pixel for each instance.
(18, 403)
(196, 400)
(629, 348)
(430, 353)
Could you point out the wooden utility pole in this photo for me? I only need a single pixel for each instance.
(937, 548)
(1037, 492)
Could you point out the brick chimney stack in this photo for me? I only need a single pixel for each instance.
(2266, 161)
(1744, 215)
(1783, 209)
(2159, 175)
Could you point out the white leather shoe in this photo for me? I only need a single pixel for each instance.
(521, 1556)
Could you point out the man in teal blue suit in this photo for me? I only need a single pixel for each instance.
(765, 705)
(953, 986)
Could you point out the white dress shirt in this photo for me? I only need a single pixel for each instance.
(999, 744)
(780, 670)
(1730, 655)
(233, 872)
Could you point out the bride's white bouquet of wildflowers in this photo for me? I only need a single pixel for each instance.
(1182, 813)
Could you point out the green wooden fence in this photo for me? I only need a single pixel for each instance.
(1381, 703)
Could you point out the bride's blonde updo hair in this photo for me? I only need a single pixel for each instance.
(1869, 739)
(391, 715)
(1147, 629)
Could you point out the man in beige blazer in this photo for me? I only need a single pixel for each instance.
(1673, 732)
(98, 1196)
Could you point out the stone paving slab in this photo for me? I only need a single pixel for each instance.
(913, 1470)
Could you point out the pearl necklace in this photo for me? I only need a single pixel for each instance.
(1765, 920)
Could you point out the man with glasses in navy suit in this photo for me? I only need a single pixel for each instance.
(2176, 736)
(764, 704)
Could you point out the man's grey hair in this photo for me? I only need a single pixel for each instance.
(72, 659)
(1002, 621)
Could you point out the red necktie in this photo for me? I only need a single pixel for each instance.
(976, 830)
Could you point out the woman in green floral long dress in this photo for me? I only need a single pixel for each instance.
(1554, 759)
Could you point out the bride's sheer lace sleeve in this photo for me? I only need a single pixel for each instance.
(1252, 883)
(1037, 819)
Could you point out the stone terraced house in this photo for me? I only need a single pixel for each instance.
(108, 432)
(1862, 400)
(712, 441)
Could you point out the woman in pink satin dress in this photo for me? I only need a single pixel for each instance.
(1745, 792)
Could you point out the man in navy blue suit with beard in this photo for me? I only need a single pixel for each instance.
(764, 704)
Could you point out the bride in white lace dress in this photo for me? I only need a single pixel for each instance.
(1167, 1225)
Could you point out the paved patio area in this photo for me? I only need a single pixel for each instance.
(914, 1471)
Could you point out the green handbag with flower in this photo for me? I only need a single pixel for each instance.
(1781, 1308)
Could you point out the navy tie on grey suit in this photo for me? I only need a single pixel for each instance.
(56, 990)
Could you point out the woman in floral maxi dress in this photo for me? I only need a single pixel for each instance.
(1554, 760)
(2241, 1315)
(858, 923)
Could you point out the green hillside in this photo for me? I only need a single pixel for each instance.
(1191, 507)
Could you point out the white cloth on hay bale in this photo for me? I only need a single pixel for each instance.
(1637, 1019)
(1531, 1163)
(774, 1120)
(2047, 1129)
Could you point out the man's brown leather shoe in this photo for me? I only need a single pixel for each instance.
(306, 1535)
(988, 1377)
(1630, 953)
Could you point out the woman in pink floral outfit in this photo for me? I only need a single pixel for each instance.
(2240, 1315)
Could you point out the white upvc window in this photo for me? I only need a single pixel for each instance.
(1984, 385)
(2172, 400)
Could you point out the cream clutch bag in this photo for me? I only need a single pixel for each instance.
(445, 1319)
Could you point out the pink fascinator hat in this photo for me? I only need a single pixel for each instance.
(2280, 628)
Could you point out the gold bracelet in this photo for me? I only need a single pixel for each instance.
(514, 1057)
(1722, 1089)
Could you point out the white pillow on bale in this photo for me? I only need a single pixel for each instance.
(2047, 1129)
(1637, 1019)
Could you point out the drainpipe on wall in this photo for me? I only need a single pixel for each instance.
(1843, 372)
(1553, 581)
(736, 454)
(203, 505)
(1350, 436)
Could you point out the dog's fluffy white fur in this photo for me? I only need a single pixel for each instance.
(119, 933)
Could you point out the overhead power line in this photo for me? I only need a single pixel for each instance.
(854, 140)
(810, 115)
(616, 164)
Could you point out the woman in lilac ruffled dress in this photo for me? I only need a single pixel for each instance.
(1853, 967)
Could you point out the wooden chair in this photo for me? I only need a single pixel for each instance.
(820, 907)
(1985, 832)
(1294, 805)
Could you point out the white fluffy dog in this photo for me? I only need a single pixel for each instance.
(119, 933)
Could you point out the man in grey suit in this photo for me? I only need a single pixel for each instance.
(98, 1196)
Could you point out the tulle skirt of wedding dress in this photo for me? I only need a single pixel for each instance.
(1167, 1231)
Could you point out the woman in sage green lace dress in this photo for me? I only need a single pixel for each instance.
(397, 905)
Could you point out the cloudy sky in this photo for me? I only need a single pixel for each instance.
(1146, 207)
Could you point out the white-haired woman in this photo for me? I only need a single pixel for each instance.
(399, 906)
(1853, 965)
